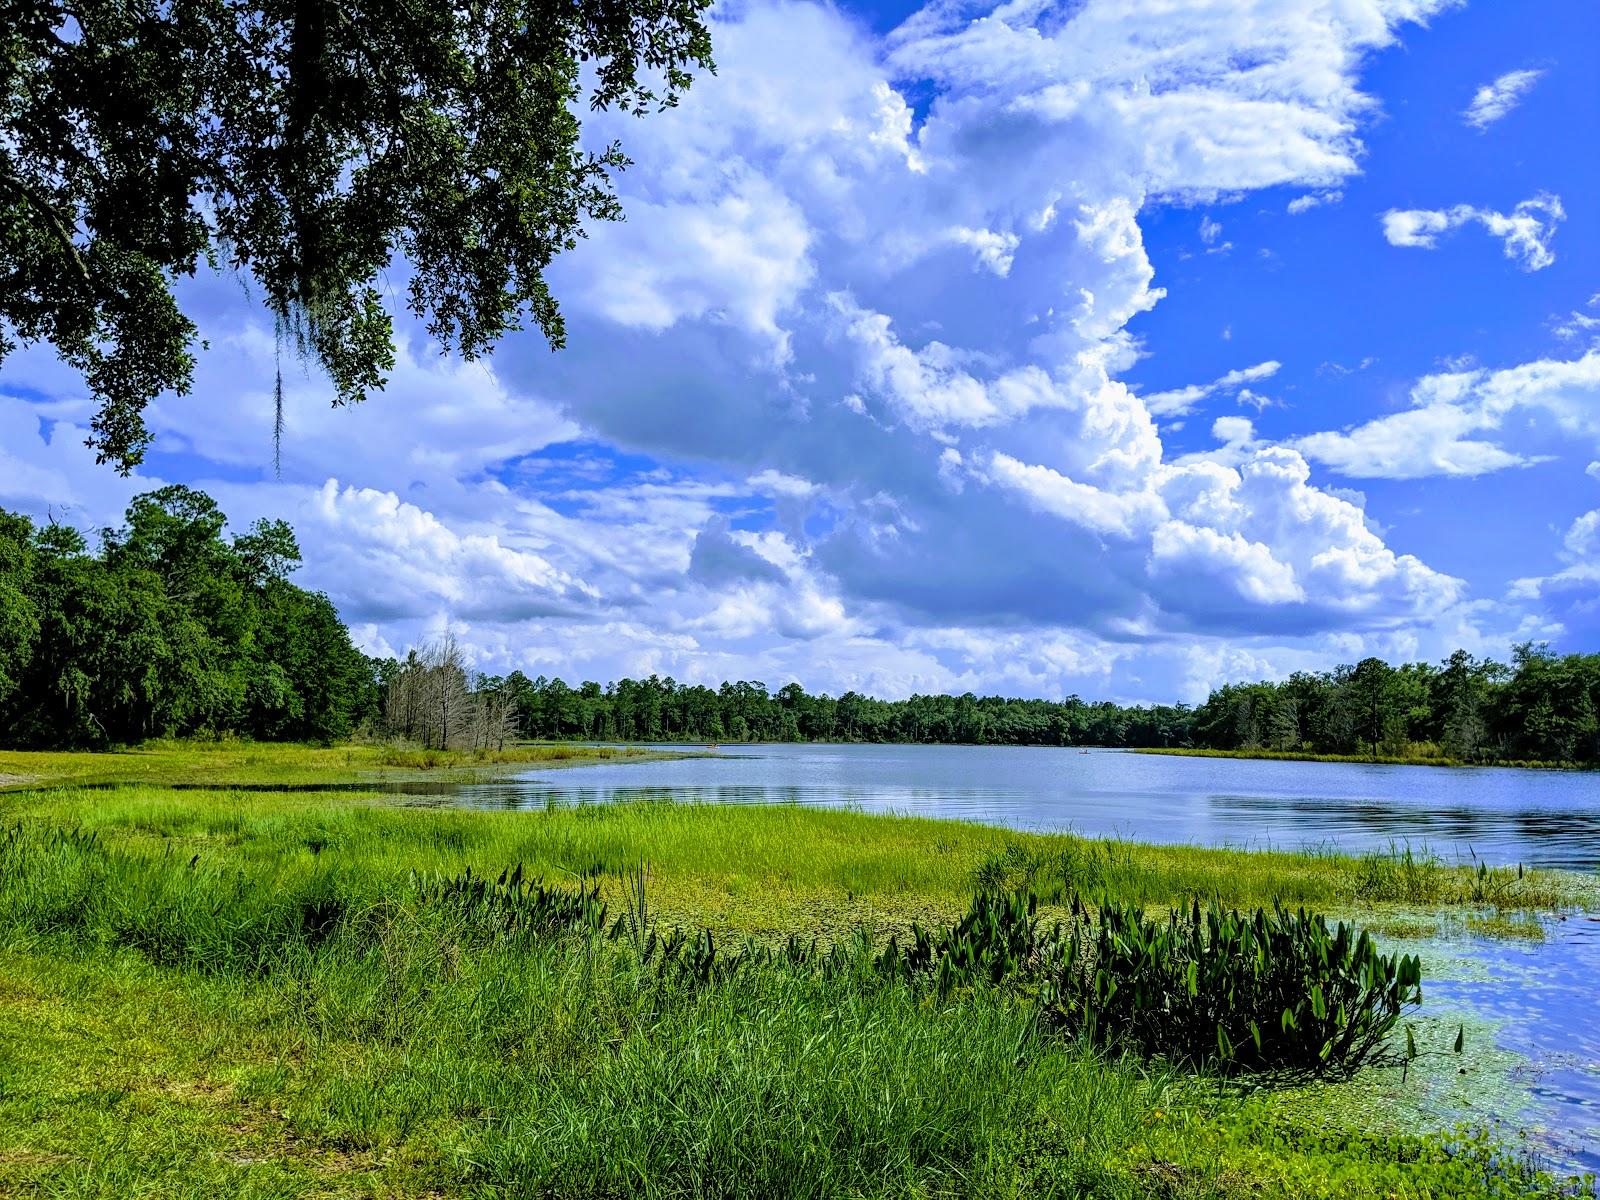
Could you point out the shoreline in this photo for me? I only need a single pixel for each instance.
(711, 749)
(1381, 760)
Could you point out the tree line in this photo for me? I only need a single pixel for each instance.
(661, 709)
(171, 627)
(1541, 707)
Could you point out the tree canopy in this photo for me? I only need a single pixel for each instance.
(174, 627)
(1543, 708)
(310, 144)
(170, 628)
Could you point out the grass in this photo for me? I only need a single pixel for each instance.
(230, 760)
(761, 871)
(1430, 756)
(240, 992)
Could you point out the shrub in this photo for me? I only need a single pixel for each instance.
(1266, 991)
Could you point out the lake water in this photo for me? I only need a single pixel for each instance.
(1533, 999)
(1537, 998)
(1503, 816)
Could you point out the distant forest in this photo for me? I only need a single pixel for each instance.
(1542, 707)
(169, 627)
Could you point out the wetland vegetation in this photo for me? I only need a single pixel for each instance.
(290, 992)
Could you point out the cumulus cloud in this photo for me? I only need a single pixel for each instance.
(1526, 231)
(1445, 431)
(1498, 97)
(843, 399)
(1571, 593)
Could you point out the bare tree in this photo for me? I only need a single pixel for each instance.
(428, 700)
(494, 715)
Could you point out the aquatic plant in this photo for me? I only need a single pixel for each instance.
(269, 1018)
(512, 906)
(1269, 990)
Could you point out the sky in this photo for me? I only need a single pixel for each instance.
(1109, 347)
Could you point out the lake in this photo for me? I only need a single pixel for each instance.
(1533, 999)
(1501, 815)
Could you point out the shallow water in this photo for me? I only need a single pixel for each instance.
(1537, 1000)
(1500, 815)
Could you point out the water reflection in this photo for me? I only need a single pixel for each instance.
(1503, 816)
(1567, 838)
(1541, 995)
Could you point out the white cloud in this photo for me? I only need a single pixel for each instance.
(846, 383)
(1498, 97)
(1093, 508)
(1233, 431)
(1180, 402)
(777, 483)
(1445, 431)
(1305, 203)
(738, 255)
(1576, 326)
(1527, 231)
(1570, 594)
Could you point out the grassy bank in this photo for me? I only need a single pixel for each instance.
(234, 761)
(247, 993)
(1431, 759)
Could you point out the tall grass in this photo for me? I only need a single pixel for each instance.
(478, 1038)
(241, 762)
(764, 871)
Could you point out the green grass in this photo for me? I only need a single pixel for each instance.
(749, 870)
(240, 993)
(230, 760)
(1430, 756)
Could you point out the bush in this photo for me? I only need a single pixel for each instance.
(1214, 987)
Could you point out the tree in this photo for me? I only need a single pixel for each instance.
(169, 629)
(19, 622)
(1372, 688)
(310, 144)
(1459, 702)
(428, 699)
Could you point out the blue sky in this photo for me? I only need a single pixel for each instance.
(1111, 347)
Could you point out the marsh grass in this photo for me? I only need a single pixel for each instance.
(300, 1028)
(233, 760)
(1421, 754)
(251, 993)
